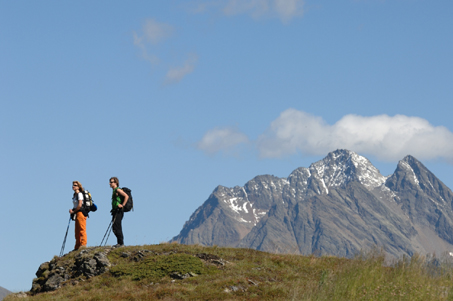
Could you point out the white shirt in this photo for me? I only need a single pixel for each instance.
(76, 199)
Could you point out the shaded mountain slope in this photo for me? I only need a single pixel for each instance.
(4, 292)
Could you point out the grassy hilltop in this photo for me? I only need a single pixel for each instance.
(182, 272)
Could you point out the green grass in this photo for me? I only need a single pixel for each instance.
(253, 275)
(157, 267)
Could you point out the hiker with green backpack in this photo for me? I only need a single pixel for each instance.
(120, 205)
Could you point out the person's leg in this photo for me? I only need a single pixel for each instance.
(77, 233)
(82, 221)
(118, 228)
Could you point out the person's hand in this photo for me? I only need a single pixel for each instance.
(70, 211)
(120, 205)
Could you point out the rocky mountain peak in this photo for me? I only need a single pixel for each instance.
(411, 174)
(342, 166)
(408, 173)
(410, 159)
(411, 164)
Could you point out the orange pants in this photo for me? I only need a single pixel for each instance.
(80, 230)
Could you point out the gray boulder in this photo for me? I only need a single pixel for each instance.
(60, 270)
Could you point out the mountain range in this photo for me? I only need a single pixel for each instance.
(4, 292)
(338, 206)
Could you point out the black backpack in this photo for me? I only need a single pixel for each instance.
(88, 204)
(130, 203)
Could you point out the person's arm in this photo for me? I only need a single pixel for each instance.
(126, 198)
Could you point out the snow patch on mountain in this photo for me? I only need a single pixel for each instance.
(258, 214)
(343, 166)
(241, 208)
(237, 206)
(408, 167)
(336, 170)
(237, 202)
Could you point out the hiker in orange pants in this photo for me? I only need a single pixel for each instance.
(80, 217)
(80, 230)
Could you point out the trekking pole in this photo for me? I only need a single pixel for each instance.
(65, 236)
(109, 229)
(108, 236)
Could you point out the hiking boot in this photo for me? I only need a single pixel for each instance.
(118, 245)
(80, 248)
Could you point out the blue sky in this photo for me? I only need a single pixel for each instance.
(177, 97)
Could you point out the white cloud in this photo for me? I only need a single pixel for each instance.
(254, 7)
(175, 74)
(221, 139)
(202, 6)
(150, 57)
(283, 9)
(152, 34)
(288, 9)
(293, 131)
(155, 32)
(388, 138)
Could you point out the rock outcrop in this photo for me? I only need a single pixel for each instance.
(70, 269)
